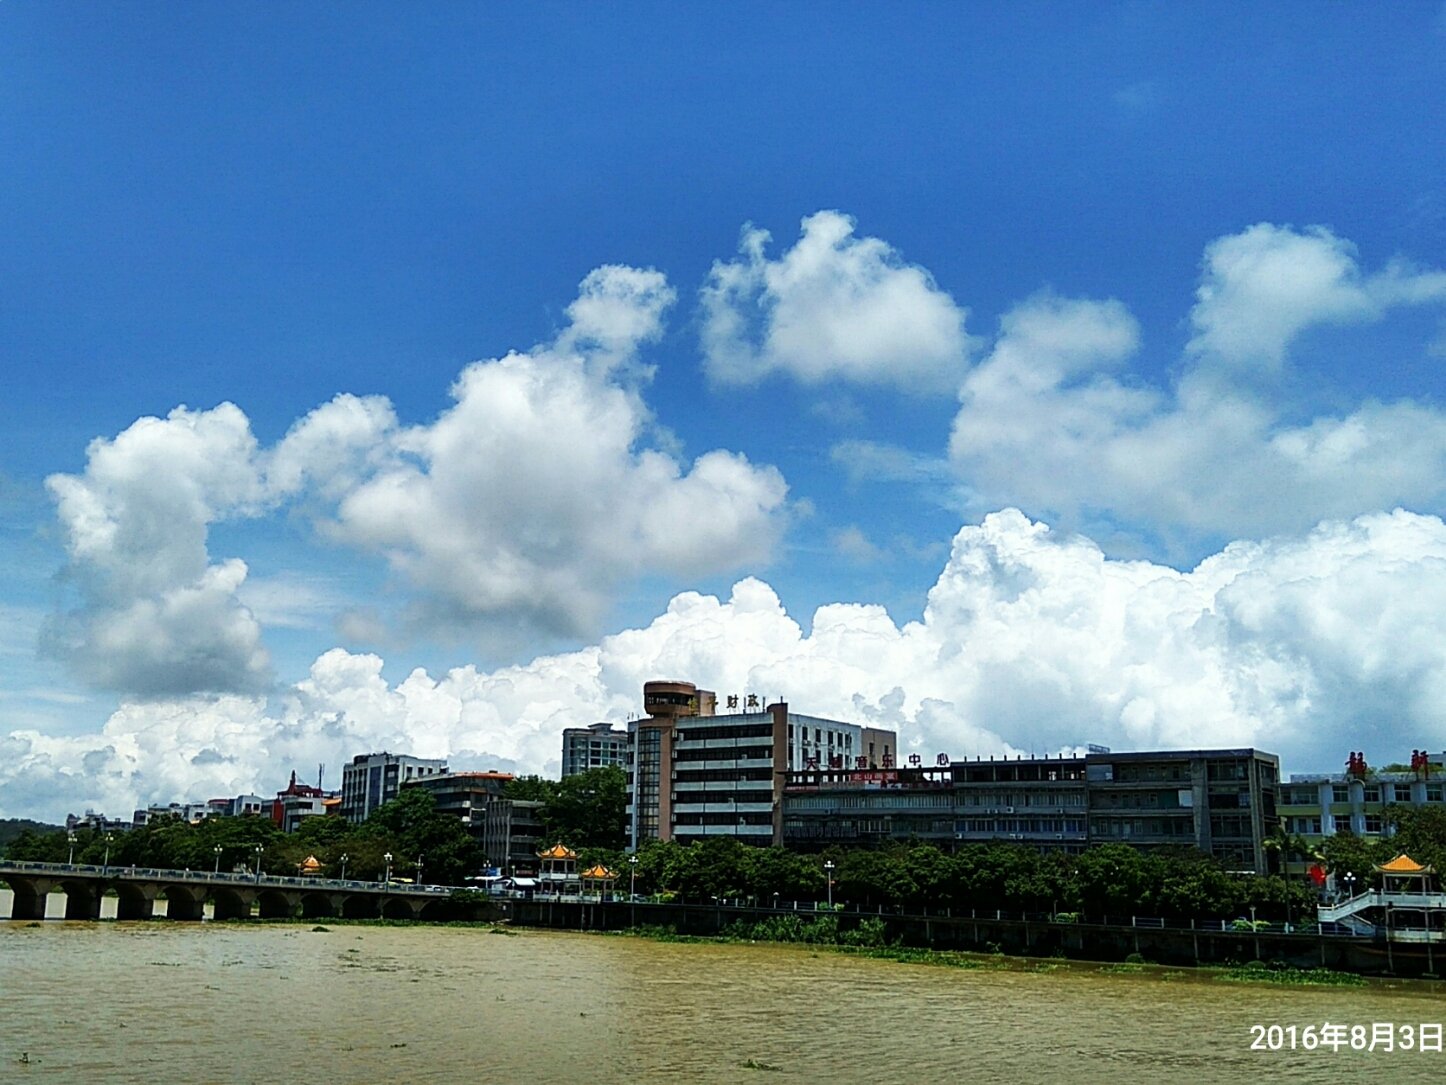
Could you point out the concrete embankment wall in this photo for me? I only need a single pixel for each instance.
(1084, 941)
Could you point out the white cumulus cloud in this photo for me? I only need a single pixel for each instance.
(1263, 286)
(834, 306)
(149, 613)
(1053, 420)
(525, 505)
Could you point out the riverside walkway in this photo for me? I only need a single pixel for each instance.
(231, 895)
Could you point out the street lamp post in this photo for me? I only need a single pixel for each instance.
(71, 837)
(259, 850)
(632, 890)
(105, 864)
(343, 865)
(419, 870)
(828, 868)
(1350, 880)
(217, 850)
(387, 858)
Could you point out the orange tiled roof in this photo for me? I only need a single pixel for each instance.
(1403, 864)
(599, 873)
(557, 851)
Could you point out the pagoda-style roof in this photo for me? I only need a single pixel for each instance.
(557, 851)
(310, 865)
(599, 873)
(1404, 864)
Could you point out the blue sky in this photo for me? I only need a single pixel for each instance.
(1166, 280)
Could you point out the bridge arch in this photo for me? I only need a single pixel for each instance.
(361, 906)
(185, 902)
(229, 904)
(135, 900)
(275, 904)
(399, 908)
(318, 906)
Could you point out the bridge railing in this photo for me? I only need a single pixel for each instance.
(224, 877)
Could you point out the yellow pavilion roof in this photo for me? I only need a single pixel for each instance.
(599, 873)
(558, 851)
(1404, 864)
(311, 862)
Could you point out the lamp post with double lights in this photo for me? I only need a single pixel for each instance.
(105, 864)
(387, 858)
(70, 836)
(419, 870)
(1350, 880)
(344, 858)
(217, 849)
(259, 850)
(828, 869)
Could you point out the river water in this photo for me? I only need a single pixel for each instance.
(200, 1002)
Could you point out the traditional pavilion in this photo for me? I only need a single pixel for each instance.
(1407, 907)
(309, 867)
(558, 869)
(598, 879)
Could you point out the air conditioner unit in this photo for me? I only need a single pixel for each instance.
(1059, 836)
(1009, 809)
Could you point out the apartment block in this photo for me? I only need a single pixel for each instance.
(593, 747)
(371, 779)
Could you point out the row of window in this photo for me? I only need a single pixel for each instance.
(1301, 795)
(722, 819)
(1021, 826)
(726, 753)
(697, 797)
(1022, 798)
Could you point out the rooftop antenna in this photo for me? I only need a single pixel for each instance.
(320, 769)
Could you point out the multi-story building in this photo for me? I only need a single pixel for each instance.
(297, 801)
(1314, 806)
(509, 830)
(192, 812)
(1220, 801)
(371, 779)
(696, 774)
(99, 822)
(593, 747)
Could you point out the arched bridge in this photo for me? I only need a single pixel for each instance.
(232, 896)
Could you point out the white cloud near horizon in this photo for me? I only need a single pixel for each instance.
(1305, 645)
(835, 306)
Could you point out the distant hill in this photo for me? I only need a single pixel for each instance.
(10, 828)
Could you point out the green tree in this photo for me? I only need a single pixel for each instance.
(422, 841)
(589, 809)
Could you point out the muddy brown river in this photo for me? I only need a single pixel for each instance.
(170, 1002)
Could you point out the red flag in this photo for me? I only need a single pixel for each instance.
(1318, 875)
